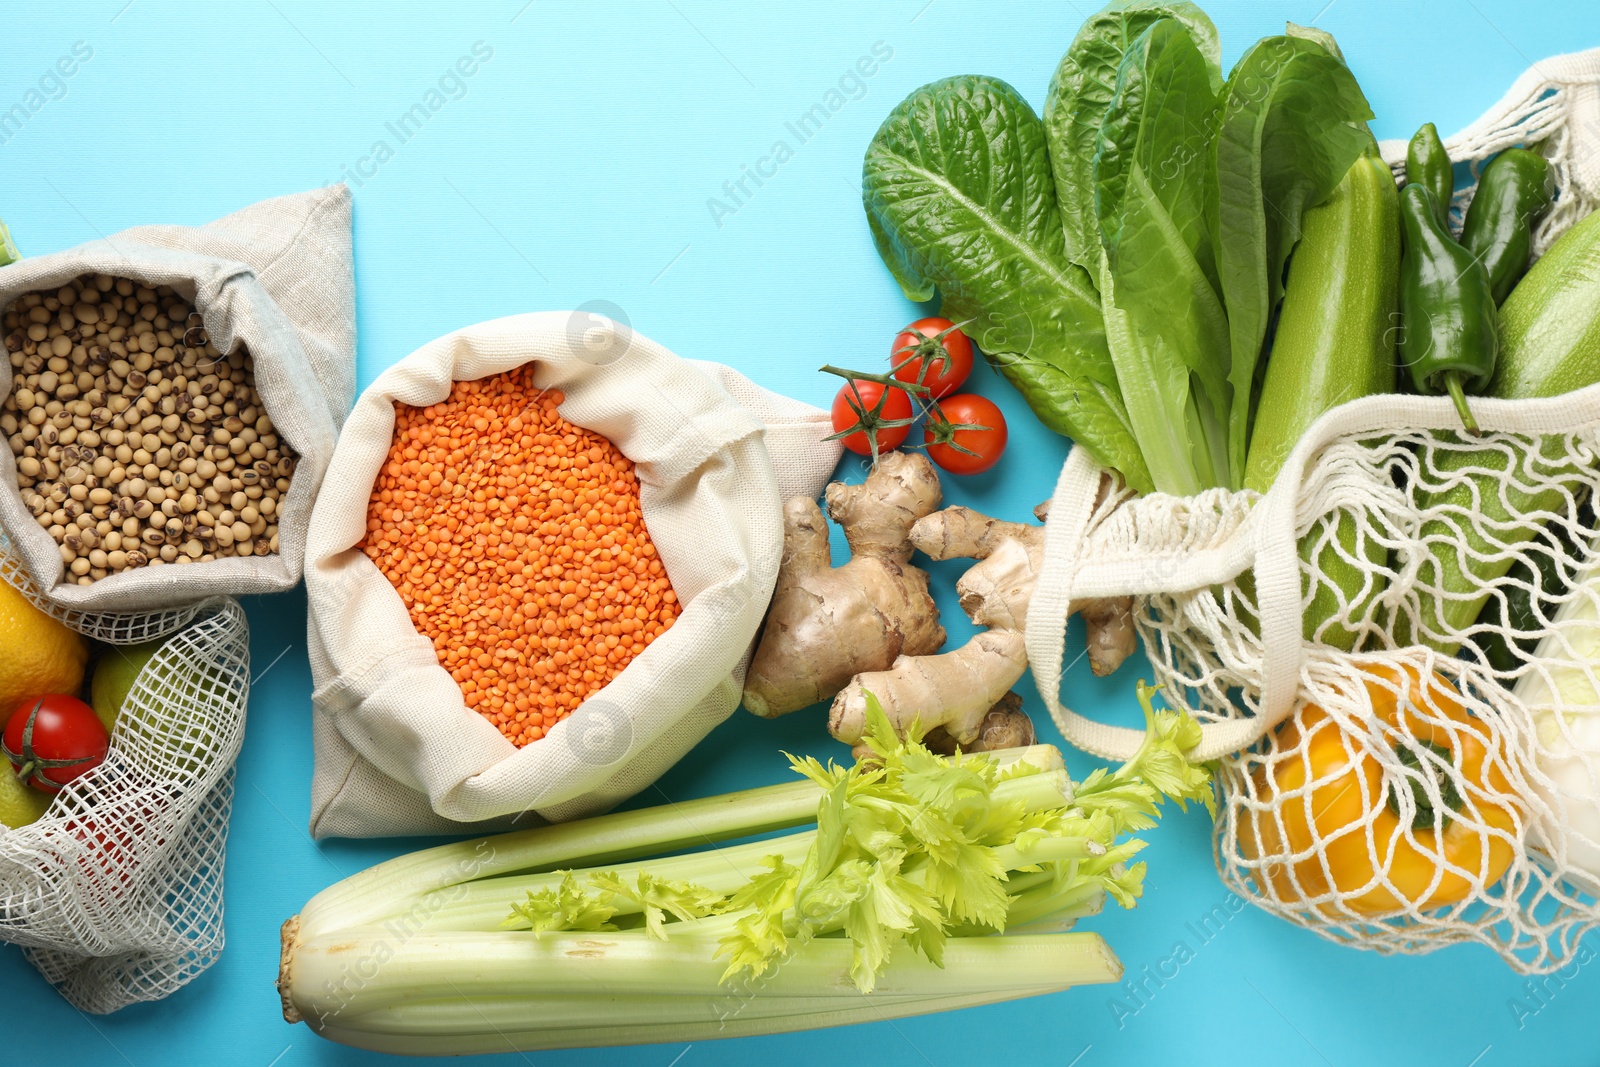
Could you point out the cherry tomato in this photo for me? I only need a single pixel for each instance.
(115, 850)
(858, 407)
(948, 358)
(50, 740)
(984, 447)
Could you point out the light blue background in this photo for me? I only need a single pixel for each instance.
(577, 166)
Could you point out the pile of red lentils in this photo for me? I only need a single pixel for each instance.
(517, 543)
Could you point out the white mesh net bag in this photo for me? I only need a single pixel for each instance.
(1441, 785)
(115, 894)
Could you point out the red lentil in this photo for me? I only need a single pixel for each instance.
(517, 543)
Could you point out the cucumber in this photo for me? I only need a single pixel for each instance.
(1549, 345)
(1333, 343)
(1525, 595)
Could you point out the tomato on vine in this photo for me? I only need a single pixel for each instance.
(933, 352)
(870, 417)
(50, 740)
(966, 433)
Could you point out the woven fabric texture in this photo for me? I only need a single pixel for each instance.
(398, 751)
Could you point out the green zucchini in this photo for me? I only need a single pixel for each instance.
(1513, 616)
(1334, 340)
(1333, 343)
(1549, 345)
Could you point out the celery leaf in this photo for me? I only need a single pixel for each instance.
(657, 897)
(761, 936)
(563, 907)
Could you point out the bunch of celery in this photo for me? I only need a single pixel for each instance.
(888, 907)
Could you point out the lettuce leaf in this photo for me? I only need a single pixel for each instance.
(959, 196)
(1288, 130)
(1076, 103)
(1169, 341)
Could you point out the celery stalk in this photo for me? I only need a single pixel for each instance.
(8, 248)
(398, 886)
(1067, 902)
(869, 1010)
(480, 985)
(885, 906)
(481, 905)
(571, 1011)
(631, 963)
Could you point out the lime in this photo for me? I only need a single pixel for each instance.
(165, 725)
(114, 675)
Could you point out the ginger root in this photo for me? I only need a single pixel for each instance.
(1006, 726)
(956, 692)
(1108, 621)
(827, 624)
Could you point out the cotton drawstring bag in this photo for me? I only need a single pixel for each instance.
(115, 894)
(1492, 774)
(276, 278)
(398, 751)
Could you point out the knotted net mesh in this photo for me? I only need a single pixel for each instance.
(115, 894)
(1442, 784)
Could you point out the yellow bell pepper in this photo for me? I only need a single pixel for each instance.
(1324, 786)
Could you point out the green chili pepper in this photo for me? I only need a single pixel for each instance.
(1449, 337)
(1428, 165)
(1513, 194)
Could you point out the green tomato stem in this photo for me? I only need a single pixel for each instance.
(914, 388)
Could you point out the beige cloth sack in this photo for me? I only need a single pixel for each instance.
(397, 749)
(1220, 579)
(276, 277)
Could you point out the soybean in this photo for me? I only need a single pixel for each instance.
(121, 409)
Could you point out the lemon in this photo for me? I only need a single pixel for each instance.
(20, 804)
(38, 655)
(114, 675)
